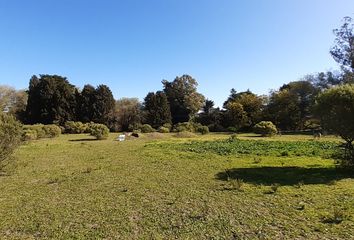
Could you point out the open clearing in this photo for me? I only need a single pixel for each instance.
(73, 187)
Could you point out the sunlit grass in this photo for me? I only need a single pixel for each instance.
(74, 187)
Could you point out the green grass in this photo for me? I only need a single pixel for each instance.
(160, 187)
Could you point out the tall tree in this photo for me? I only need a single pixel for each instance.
(183, 97)
(343, 50)
(290, 107)
(157, 109)
(127, 113)
(85, 103)
(51, 99)
(103, 104)
(251, 103)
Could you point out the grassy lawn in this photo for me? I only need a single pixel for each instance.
(160, 187)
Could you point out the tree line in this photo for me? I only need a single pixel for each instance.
(52, 99)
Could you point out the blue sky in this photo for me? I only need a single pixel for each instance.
(132, 45)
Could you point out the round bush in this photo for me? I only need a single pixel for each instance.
(164, 130)
(146, 128)
(51, 130)
(203, 130)
(10, 135)
(265, 128)
(99, 131)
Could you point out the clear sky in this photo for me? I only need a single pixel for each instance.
(132, 45)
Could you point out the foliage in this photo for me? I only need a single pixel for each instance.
(10, 135)
(164, 130)
(235, 115)
(157, 109)
(127, 112)
(29, 134)
(202, 129)
(343, 51)
(251, 106)
(13, 101)
(146, 128)
(42, 131)
(51, 130)
(290, 107)
(75, 127)
(265, 128)
(335, 107)
(51, 99)
(183, 97)
(261, 147)
(99, 131)
(184, 134)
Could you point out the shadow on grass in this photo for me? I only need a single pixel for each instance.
(285, 175)
(83, 140)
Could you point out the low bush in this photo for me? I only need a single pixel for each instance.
(168, 126)
(164, 130)
(99, 131)
(146, 128)
(191, 127)
(42, 131)
(29, 134)
(265, 128)
(75, 127)
(232, 129)
(51, 130)
(10, 135)
(203, 129)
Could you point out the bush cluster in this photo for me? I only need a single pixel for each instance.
(164, 130)
(37, 131)
(76, 127)
(146, 128)
(265, 128)
(10, 135)
(191, 127)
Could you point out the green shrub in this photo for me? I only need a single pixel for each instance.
(203, 129)
(232, 129)
(99, 131)
(29, 134)
(164, 130)
(75, 127)
(39, 128)
(146, 128)
(191, 127)
(265, 128)
(10, 135)
(42, 131)
(51, 130)
(168, 126)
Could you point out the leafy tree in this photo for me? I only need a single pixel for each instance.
(127, 113)
(211, 117)
(51, 99)
(157, 109)
(251, 104)
(85, 103)
(335, 107)
(183, 97)
(235, 115)
(290, 107)
(13, 101)
(324, 80)
(103, 105)
(343, 51)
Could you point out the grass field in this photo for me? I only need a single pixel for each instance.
(160, 187)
